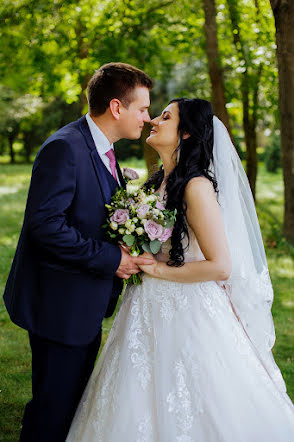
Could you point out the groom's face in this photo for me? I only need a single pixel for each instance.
(133, 117)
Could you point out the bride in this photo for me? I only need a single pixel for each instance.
(188, 358)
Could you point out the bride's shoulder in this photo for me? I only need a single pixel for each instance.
(199, 186)
(201, 202)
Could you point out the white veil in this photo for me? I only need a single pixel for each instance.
(249, 286)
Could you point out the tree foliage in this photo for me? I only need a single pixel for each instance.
(51, 48)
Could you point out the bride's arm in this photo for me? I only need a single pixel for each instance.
(204, 217)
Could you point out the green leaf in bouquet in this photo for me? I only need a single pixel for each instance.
(129, 240)
(155, 246)
(168, 223)
(160, 221)
(146, 247)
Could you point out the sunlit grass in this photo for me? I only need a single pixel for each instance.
(14, 347)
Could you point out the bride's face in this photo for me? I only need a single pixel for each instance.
(164, 136)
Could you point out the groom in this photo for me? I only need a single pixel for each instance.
(66, 277)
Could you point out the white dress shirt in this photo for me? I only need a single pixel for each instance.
(101, 142)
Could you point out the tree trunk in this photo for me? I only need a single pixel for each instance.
(214, 64)
(251, 156)
(284, 19)
(12, 156)
(250, 129)
(249, 95)
(83, 98)
(150, 155)
(27, 146)
(251, 168)
(2, 147)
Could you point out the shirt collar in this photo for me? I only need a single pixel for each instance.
(101, 141)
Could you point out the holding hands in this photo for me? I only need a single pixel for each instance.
(130, 265)
(151, 269)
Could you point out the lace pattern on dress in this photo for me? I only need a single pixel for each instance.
(180, 404)
(106, 391)
(139, 338)
(103, 386)
(145, 430)
(172, 298)
(185, 400)
(212, 298)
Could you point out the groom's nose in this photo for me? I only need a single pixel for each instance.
(147, 117)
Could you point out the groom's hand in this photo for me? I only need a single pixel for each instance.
(129, 264)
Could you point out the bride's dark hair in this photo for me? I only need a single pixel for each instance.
(196, 119)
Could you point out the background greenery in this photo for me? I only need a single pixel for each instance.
(51, 48)
(15, 353)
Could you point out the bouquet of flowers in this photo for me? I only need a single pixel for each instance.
(139, 220)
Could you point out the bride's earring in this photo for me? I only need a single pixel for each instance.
(178, 155)
(178, 150)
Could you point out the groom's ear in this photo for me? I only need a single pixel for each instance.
(114, 107)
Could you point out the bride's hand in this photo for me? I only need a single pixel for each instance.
(150, 269)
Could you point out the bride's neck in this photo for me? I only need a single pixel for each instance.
(169, 163)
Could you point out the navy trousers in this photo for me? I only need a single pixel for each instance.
(59, 376)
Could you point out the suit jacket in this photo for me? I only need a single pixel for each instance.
(62, 282)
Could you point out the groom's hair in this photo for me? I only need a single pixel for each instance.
(114, 80)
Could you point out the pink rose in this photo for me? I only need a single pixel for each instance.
(159, 205)
(142, 211)
(167, 233)
(131, 174)
(120, 216)
(153, 230)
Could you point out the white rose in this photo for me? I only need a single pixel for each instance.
(143, 200)
(143, 221)
(113, 225)
(151, 198)
(121, 231)
(139, 230)
(135, 220)
(128, 223)
(131, 228)
(156, 211)
(128, 232)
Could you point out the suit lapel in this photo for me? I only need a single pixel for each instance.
(101, 176)
(120, 176)
(98, 164)
(100, 169)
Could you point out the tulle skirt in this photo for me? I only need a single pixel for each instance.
(178, 366)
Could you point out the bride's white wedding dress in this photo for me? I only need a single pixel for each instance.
(178, 366)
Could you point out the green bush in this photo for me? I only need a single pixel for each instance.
(125, 149)
(272, 156)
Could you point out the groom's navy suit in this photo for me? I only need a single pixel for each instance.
(62, 282)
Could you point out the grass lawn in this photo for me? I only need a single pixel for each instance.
(15, 380)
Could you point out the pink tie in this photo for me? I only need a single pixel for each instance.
(112, 161)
